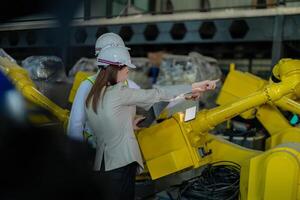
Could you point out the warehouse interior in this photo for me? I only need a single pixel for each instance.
(235, 135)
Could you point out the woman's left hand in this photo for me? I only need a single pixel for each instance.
(137, 119)
(195, 95)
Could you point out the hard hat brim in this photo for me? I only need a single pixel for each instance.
(130, 65)
(96, 53)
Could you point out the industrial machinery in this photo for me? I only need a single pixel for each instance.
(20, 78)
(241, 84)
(174, 144)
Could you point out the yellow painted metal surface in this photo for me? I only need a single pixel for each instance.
(289, 104)
(20, 78)
(174, 145)
(277, 125)
(225, 150)
(291, 134)
(79, 77)
(167, 149)
(274, 175)
(240, 84)
(286, 69)
(39, 119)
(272, 92)
(272, 119)
(184, 138)
(270, 175)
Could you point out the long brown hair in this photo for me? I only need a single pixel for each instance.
(107, 76)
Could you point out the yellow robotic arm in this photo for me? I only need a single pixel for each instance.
(192, 135)
(20, 78)
(239, 84)
(175, 145)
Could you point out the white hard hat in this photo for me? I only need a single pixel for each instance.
(108, 39)
(114, 55)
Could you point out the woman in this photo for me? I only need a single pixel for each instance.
(110, 109)
(77, 125)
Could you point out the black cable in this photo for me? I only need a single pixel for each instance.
(218, 181)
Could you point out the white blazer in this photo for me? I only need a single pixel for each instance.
(77, 120)
(112, 125)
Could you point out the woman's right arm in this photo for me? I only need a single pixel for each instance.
(146, 98)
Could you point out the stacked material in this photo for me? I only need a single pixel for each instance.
(84, 64)
(180, 69)
(48, 73)
(140, 74)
